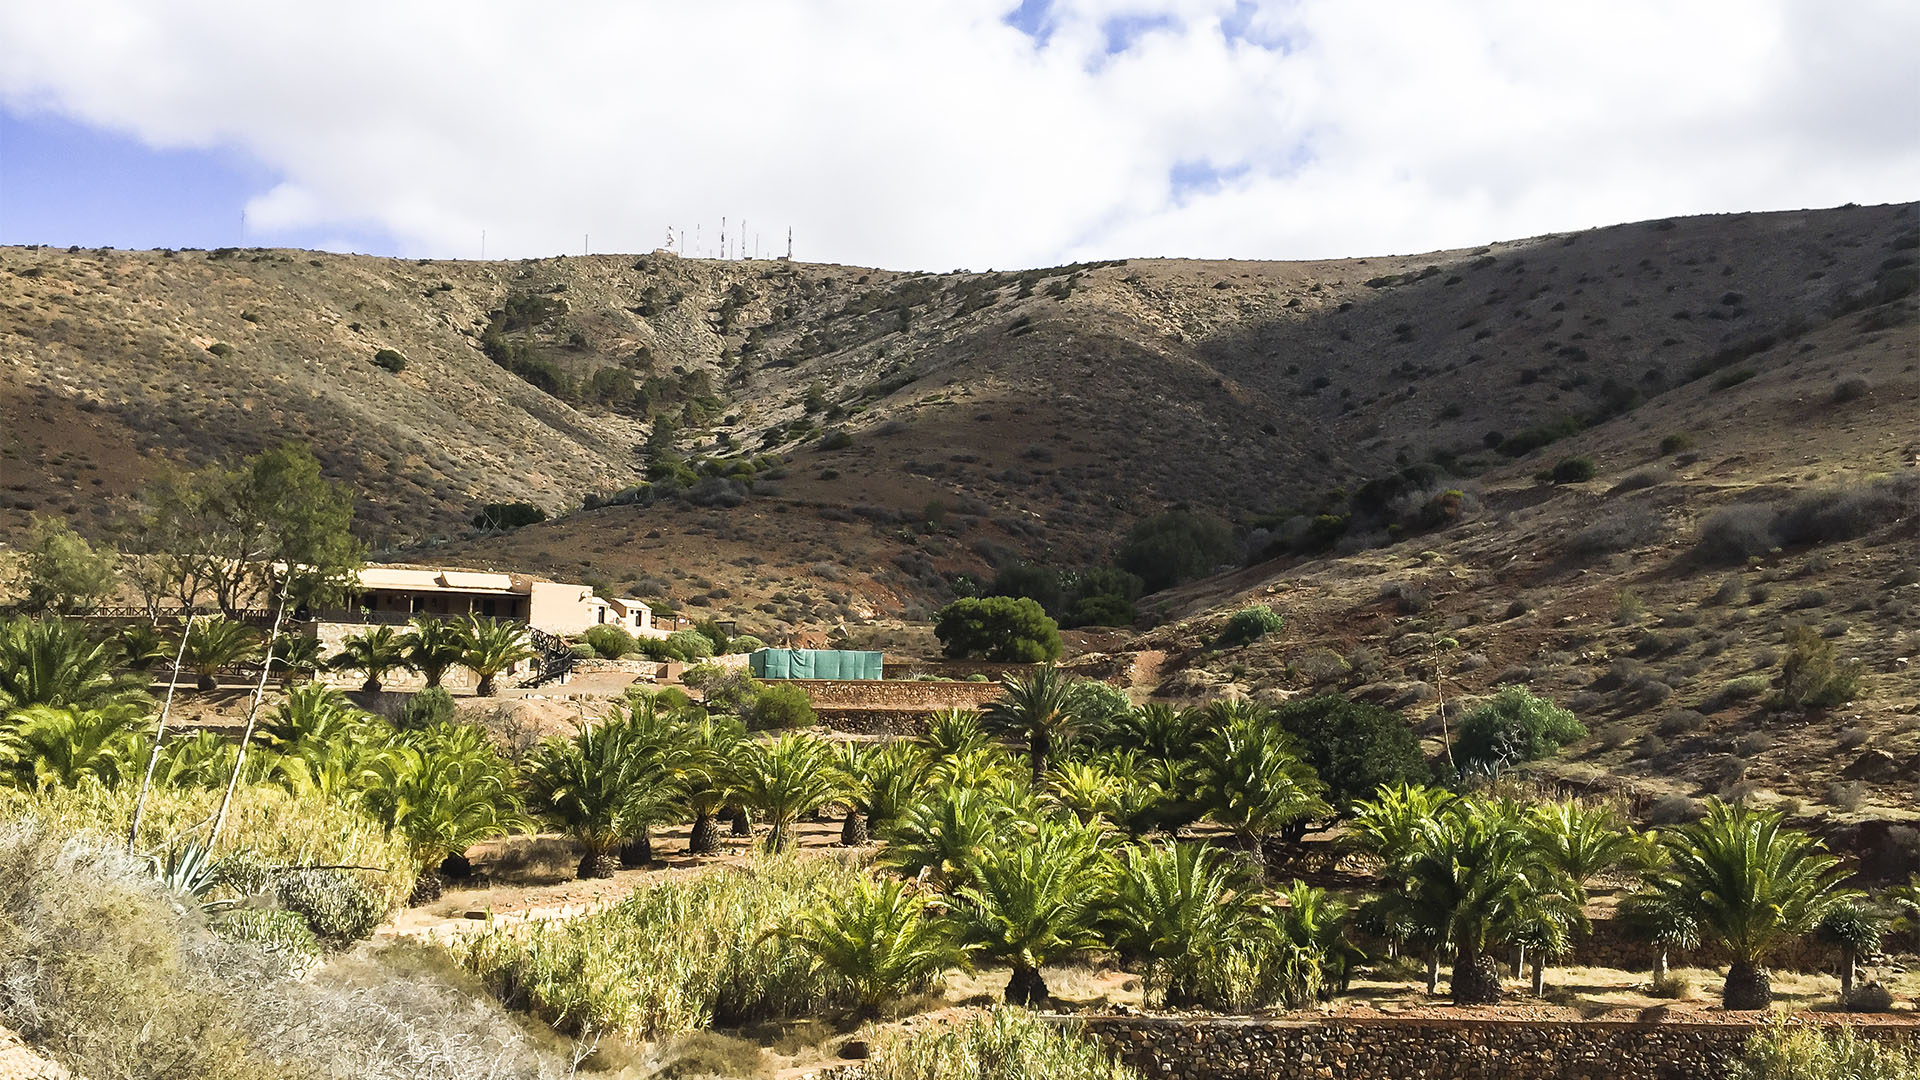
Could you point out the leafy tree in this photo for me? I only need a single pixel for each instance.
(1855, 929)
(1749, 884)
(784, 779)
(1515, 726)
(690, 645)
(1098, 596)
(1037, 583)
(1250, 779)
(215, 642)
(375, 651)
(1002, 628)
(64, 574)
(1037, 708)
(777, 706)
(1355, 748)
(879, 939)
(489, 647)
(434, 647)
(1034, 900)
(240, 534)
(1176, 546)
(52, 661)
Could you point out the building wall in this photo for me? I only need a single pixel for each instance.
(559, 608)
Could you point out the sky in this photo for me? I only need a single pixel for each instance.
(937, 134)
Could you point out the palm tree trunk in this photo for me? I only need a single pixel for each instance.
(597, 864)
(485, 688)
(853, 830)
(739, 824)
(1476, 977)
(638, 850)
(1539, 977)
(1027, 988)
(1748, 987)
(1256, 857)
(1660, 964)
(1039, 748)
(1433, 971)
(704, 839)
(1848, 961)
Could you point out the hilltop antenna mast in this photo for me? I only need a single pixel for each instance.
(789, 243)
(583, 244)
(696, 239)
(483, 245)
(740, 245)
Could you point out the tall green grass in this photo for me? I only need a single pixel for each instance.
(673, 957)
(1001, 1044)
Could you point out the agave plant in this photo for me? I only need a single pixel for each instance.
(434, 647)
(783, 779)
(489, 648)
(880, 939)
(375, 652)
(53, 661)
(213, 643)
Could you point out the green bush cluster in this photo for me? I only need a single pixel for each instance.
(1248, 625)
(997, 628)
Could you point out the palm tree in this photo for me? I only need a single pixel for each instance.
(586, 785)
(376, 652)
(144, 647)
(1085, 789)
(1311, 928)
(1039, 709)
(1659, 919)
(1471, 872)
(433, 647)
(1749, 884)
(951, 732)
(1249, 779)
(946, 836)
(314, 714)
(879, 939)
(659, 770)
(1855, 929)
(1033, 901)
(880, 783)
(1175, 907)
(298, 654)
(1156, 731)
(52, 661)
(713, 746)
(213, 643)
(65, 746)
(1580, 842)
(444, 791)
(201, 760)
(489, 648)
(786, 778)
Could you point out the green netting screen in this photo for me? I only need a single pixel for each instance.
(814, 664)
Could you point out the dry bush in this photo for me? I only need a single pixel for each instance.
(1625, 529)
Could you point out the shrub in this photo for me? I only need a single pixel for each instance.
(1248, 625)
(1176, 546)
(1733, 534)
(337, 907)
(580, 650)
(220, 349)
(837, 439)
(1671, 986)
(1573, 470)
(1851, 389)
(610, 642)
(689, 645)
(1623, 530)
(778, 706)
(1353, 747)
(391, 360)
(1676, 443)
(428, 708)
(1810, 677)
(1516, 726)
(1674, 810)
(1640, 479)
(501, 517)
(1003, 628)
(745, 643)
(1844, 513)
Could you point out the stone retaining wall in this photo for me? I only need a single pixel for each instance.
(915, 698)
(1222, 1048)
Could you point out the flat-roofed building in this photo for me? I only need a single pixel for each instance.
(557, 607)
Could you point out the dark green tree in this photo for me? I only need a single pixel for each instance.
(1354, 747)
(997, 628)
(1176, 546)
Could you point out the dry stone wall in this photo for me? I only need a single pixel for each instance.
(1223, 1048)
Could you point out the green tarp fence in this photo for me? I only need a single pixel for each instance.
(814, 664)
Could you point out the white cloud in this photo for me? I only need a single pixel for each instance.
(932, 134)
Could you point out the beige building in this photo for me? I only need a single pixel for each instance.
(553, 606)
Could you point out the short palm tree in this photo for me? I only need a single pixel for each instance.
(1156, 732)
(879, 939)
(203, 759)
(1389, 824)
(215, 642)
(1086, 789)
(586, 785)
(1315, 955)
(1177, 908)
(880, 782)
(1250, 779)
(713, 746)
(144, 647)
(298, 654)
(489, 648)
(375, 651)
(65, 746)
(434, 646)
(1035, 900)
(945, 836)
(443, 793)
(52, 661)
(1581, 842)
(951, 732)
(1749, 884)
(1471, 872)
(314, 714)
(784, 779)
(1037, 708)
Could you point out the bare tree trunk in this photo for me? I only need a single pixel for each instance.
(253, 714)
(1433, 971)
(1519, 960)
(1660, 963)
(1539, 977)
(1848, 962)
(159, 733)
